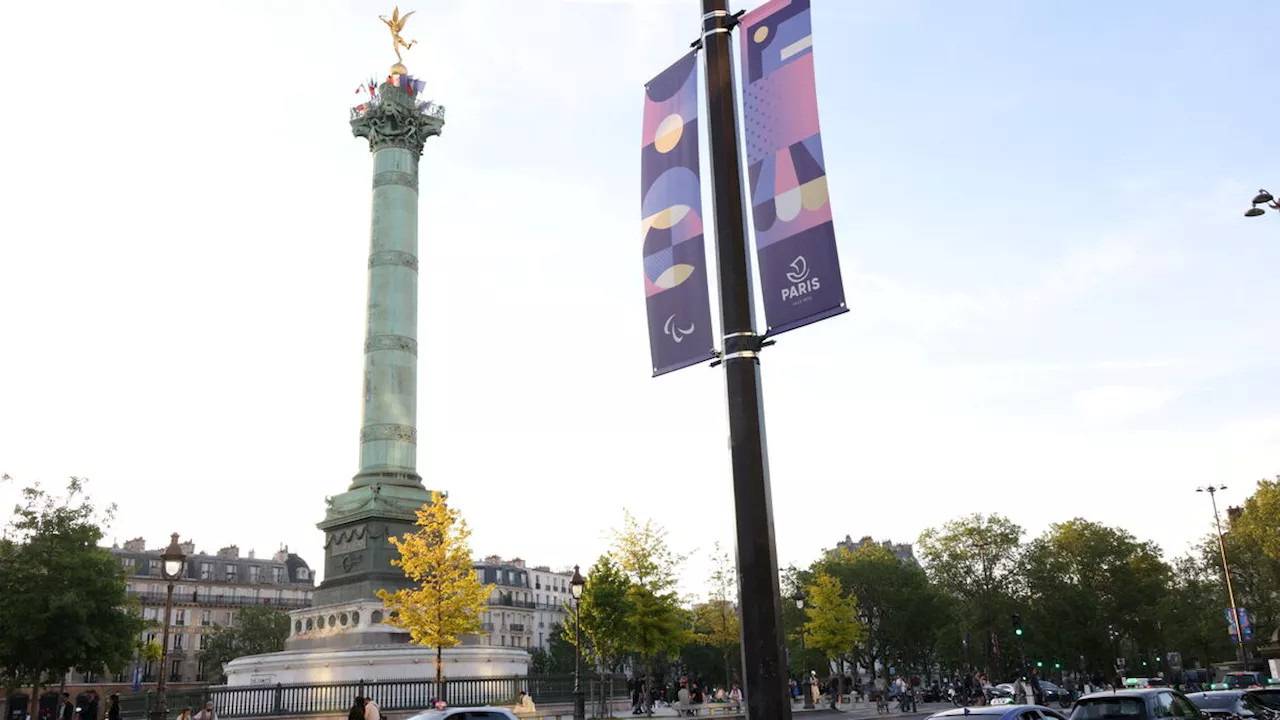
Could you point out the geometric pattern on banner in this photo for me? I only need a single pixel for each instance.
(677, 299)
(790, 204)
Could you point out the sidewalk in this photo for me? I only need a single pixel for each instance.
(849, 710)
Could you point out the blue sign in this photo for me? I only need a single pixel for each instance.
(137, 678)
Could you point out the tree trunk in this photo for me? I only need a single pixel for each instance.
(439, 674)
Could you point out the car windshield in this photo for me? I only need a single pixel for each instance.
(1108, 707)
(1270, 698)
(1221, 701)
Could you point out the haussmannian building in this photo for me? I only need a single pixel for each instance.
(212, 591)
(525, 605)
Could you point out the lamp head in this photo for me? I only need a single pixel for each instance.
(1263, 197)
(173, 558)
(576, 583)
(798, 596)
(1254, 211)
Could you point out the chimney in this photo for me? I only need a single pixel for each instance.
(518, 562)
(253, 554)
(135, 545)
(229, 552)
(188, 547)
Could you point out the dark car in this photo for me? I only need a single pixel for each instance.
(1055, 694)
(1269, 695)
(999, 712)
(1228, 704)
(1138, 704)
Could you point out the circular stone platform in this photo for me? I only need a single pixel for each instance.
(374, 662)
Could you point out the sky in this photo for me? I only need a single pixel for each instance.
(1057, 306)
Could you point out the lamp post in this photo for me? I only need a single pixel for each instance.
(576, 585)
(1263, 199)
(798, 597)
(173, 560)
(1222, 548)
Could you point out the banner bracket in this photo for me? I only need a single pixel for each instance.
(742, 345)
(729, 22)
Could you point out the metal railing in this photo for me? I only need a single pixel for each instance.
(150, 598)
(255, 701)
(506, 601)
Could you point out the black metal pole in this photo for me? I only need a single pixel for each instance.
(579, 702)
(763, 657)
(161, 710)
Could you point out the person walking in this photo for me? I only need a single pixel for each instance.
(357, 709)
(371, 710)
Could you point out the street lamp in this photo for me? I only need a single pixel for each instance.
(1263, 198)
(576, 585)
(1222, 545)
(798, 596)
(172, 561)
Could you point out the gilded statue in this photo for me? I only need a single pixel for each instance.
(396, 24)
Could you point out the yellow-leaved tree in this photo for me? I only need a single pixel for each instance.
(832, 624)
(447, 597)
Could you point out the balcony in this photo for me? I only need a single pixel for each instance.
(487, 627)
(507, 601)
(516, 627)
(150, 598)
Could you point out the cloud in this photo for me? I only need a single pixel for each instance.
(1110, 401)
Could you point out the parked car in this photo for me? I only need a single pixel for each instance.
(467, 713)
(1135, 704)
(999, 712)
(1230, 704)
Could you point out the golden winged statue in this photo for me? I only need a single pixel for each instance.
(396, 24)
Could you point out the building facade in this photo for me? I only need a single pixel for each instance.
(902, 551)
(525, 604)
(209, 595)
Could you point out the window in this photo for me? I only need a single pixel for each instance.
(1182, 708)
(231, 573)
(149, 672)
(200, 670)
(231, 619)
(204, 642)
(150, 637)
(206, 571)
(206, 618)
(126, 563)
(255, 573)
(149, 613)
(177, 641)
(180, 617)
(276, 574)
(303, 573)
(175, 671)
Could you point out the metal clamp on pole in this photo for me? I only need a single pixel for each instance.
(742, 345)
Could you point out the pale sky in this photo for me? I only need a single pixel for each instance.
(1057, 307)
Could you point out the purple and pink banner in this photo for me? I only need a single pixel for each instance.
(790, 206)
(675, 262)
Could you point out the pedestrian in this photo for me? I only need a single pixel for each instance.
(371, 710)
(357, 709)
(185, 714)
(66, 710)
(735, 696)
(524, 705)
(113, 706)
(207, 713)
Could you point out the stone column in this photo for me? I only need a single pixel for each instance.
(387, 491)
(396, 125)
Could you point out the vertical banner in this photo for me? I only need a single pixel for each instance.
(675, 261)
(791, 211)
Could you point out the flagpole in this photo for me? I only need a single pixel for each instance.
(763, 662)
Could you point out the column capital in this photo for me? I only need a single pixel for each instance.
(394, 118)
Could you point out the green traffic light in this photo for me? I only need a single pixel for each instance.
(1057, 666)
(1018, 632)
(1039, 664)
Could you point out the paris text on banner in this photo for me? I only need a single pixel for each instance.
(790, 206)
(675, 262)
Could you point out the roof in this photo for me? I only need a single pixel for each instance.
(984, 710)
(1127, 692)
(290, 565)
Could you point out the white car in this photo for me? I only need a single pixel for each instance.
(467, 713)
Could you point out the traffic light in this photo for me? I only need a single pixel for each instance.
(1017, 625)
(1057, 666)
(1039, 664)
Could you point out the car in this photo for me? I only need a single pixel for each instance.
(467, 713)
(1054, 693)
(999, 712)
(1269, 695)
(1218, 704)
(1135, 704)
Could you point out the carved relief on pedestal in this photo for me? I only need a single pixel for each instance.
(391, 342)
(395, 177)
(396, 119)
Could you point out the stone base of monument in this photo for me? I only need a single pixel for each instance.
(349, 642)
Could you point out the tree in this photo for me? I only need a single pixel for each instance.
(260, 629)
(657, 619)
(975, 561)
(447, 597)
(64, 603)
(832, 626)
(558, 660)
(605, 609)
(716, 622)
(1259, 518)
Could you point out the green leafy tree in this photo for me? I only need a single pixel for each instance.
(716, 621)
(556, 661)
(259, 629)
(606, 615)
(447, 597)
(833, 626)
(657, 618)
(1258, 519)
(64, 603)
(975, 561)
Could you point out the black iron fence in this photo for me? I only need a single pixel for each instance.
(255, 701)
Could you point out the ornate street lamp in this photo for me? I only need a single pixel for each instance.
(1263, 198)
(798, 596)
(172, 562)
(576, 585)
